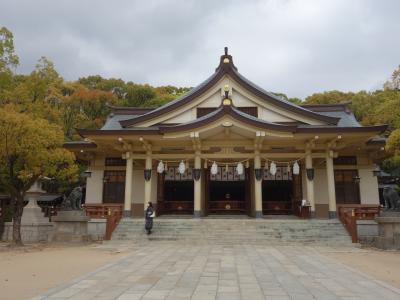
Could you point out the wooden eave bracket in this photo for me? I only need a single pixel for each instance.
(259, 139)
(146, 145)
(196, 142)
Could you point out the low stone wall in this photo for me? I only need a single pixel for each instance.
(97, 229)
(367, 231)
(30, 233)
(389, 233)
(34, 233)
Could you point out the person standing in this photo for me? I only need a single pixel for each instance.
(150, 213)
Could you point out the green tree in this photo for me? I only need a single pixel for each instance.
(85, 108)
(30, 148)
(139, 95)
(329, 97)
(8, 60)
(113, 85)
(44, 83)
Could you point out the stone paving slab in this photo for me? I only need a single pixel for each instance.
(177, 271)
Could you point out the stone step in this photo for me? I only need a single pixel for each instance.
(236, 231)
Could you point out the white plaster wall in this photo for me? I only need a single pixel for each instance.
(368, 186)
(270, 116)
(138, 187)
(320, 187)
(94, 187)
(239, 100)
(213, 101)
(181, 118)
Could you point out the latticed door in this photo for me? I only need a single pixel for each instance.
(114, 187)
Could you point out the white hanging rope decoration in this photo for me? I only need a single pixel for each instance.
(181, 167)
(239, 168)
(296, 168)
(214, 168)
(160, 167)
(270, 165)
(272, 168)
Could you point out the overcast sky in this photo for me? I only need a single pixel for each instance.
(296, 47)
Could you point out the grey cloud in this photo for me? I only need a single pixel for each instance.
(295, 47)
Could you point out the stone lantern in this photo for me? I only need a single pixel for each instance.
(32, 212)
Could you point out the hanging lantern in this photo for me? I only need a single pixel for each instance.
(266, 165)
(165, 167)
(272, 168)
(239, 169)
(296, 168)
(214, 168)
(247, 164)
(181, 167)
(288, 168)
(160, 167)
(226, 168)
(187, 165)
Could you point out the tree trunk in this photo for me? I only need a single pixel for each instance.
(17, 216)
(2, 217)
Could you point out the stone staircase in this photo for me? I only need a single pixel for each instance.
(236, 231)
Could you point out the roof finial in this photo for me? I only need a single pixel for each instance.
(226, 50)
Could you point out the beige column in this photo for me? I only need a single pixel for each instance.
(331, 183)
(147, 183)
(310, 183)
(257, 186)
(197, 187)
(128, 185)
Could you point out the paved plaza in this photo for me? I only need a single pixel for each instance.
(177, 271)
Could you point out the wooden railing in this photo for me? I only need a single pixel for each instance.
(112, 222)
(111, 212)
(349, 214)
(102, 211)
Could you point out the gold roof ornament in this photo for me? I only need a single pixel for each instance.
(227, 101)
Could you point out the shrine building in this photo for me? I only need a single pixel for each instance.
(230, 147)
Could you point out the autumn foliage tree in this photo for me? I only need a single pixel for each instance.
(30, 148)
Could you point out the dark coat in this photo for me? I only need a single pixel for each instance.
(149, 220)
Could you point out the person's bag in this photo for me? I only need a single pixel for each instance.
(153, 214)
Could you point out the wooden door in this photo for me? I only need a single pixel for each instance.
(346, 188)
(114, 187)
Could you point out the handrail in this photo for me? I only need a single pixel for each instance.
(350, 213)
(111, 212)
(112, 221)
(101, 211)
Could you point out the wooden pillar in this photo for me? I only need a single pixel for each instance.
(197, 211)
(331, 183)
(147, 181)
(310, 183)
(257, 185)
(128, 185)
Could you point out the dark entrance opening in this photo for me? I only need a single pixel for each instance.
(227, 192)
(277, 196)
(175, 192)
(278, 192)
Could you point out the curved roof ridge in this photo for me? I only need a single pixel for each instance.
(232, 112)
(288, 104)
(184, 98)
(226, 66)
